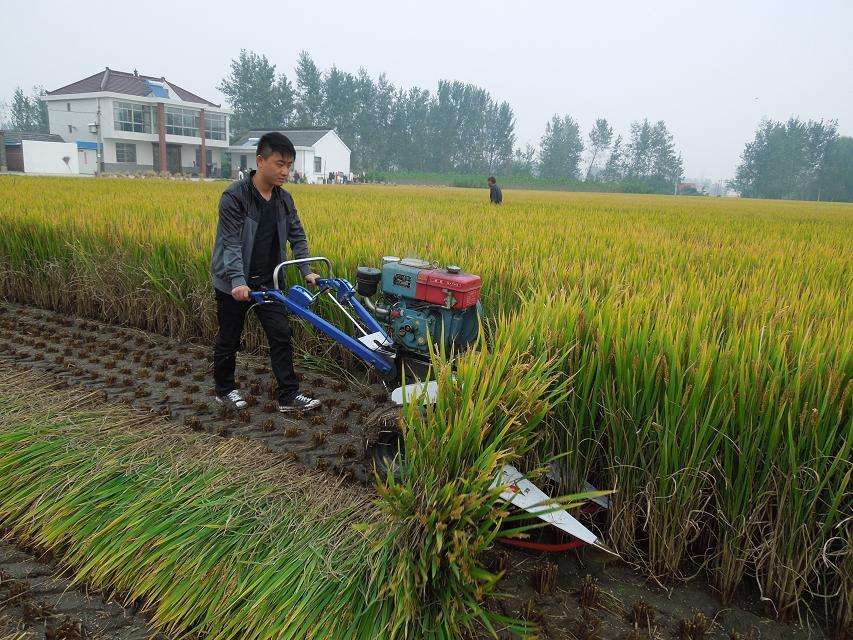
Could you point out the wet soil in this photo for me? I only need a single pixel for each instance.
(38, 601)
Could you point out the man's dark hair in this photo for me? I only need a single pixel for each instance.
(275, 142)
(491, 180)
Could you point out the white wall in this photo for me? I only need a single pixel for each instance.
(83, 112)
(144, 151)
(87, 160)
(47, 157)
(335, 155)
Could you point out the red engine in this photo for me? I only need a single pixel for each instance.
(448, 287)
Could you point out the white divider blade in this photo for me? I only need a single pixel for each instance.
(375, 340)
(601, 501)
(522, 493)
(426, 392)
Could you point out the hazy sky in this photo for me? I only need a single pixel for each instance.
(711, 70)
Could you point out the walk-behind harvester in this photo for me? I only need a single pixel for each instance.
(402, 311)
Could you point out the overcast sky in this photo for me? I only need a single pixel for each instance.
(711, 70)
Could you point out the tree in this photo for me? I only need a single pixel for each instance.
(309, 92)
(614, 167)
(259, 98)
(786, 160)
(600, 137)
(339, 103)
(650, 156)
(29, 113)
(836, 179)
(500, 137)
(524, 162)
(560, 149)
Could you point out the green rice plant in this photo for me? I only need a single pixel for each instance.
(708, 341)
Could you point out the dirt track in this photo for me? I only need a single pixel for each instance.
(36, 601)
(173, 379)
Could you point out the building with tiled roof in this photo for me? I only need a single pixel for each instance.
(130, 119)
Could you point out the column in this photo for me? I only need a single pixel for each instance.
(161, 133)
(202, 170)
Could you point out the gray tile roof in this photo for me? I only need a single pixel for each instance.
(13, 138)
(299, 137)
(123, 82)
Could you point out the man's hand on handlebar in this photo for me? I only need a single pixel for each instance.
(241, 293)
(312, 278)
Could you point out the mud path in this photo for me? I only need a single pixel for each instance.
(38, 601)
(174, 379)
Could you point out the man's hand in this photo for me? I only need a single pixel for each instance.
(241, 293)
(311, 279)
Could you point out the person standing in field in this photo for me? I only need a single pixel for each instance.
(496, 196)
(257, 218)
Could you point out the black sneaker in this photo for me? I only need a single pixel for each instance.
(233, 400)
(299, 403)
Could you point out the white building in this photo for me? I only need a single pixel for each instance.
(37, 153)
(133, 118)
(319, 152)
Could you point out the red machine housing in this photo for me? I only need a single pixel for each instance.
(434, 285)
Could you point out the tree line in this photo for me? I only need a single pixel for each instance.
(796, 160)
(458, 127)
(387, 128)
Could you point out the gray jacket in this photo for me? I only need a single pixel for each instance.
(496, 196)
(239, 209)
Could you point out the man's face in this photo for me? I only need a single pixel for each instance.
(275, 169)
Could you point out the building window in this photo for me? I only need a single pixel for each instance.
(68, 106)
(244, 161)
(182, 122)
(130, 116)
(214, 126)
(318, 164)
(125, 152)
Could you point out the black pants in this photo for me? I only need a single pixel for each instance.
(231, 315)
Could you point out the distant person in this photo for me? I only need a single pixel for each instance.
(496, 196)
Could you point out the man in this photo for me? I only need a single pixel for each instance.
(256, 219)
(496, 196)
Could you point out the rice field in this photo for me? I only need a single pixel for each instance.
(694, 354)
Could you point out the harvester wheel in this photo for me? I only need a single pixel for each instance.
(382, 439)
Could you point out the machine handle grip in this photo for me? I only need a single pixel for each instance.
(290, 263)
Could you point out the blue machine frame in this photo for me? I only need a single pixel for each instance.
(298, 301)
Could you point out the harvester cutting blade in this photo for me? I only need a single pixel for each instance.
(522, 493)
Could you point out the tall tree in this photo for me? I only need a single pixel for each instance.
(836, 177)
(309, 92)
(524, 162)
(29, 113)
(650, 156)
(339, 100)
(500, 137)
(560, 149)
(614, 167)
(259, 98)
(600, 138)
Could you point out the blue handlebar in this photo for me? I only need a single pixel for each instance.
(298, 301)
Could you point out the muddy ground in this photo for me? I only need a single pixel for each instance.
(38, 601)
(578, 594)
